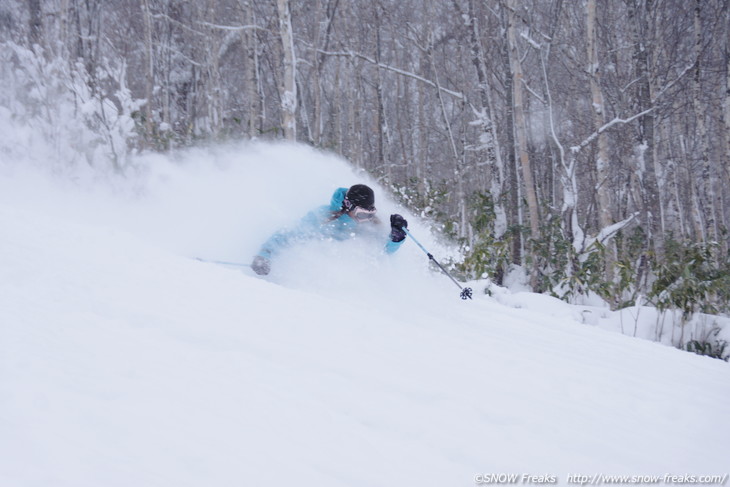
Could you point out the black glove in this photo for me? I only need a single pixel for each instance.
(397, 224)
(261, 265)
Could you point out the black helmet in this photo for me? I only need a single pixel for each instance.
(360, 195)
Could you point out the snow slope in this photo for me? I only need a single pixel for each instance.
(126, 362)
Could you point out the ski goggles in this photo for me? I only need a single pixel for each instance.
(362, 214)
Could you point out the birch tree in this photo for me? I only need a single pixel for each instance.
(484, 112)
(640, 12)
(381, 123)
(149, 72)
(250, 65)
(725, 124)
(512, 175)
(36, 22)
(603, 187)
(289, 82)
(707, 201)
(520, 127)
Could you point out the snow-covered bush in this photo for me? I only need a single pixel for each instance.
(62, 116)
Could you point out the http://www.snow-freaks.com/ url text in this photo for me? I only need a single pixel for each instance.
(598, 479)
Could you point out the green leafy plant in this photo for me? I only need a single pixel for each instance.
(488, 254)
(550, 255)
(691, 278)
(715, 349)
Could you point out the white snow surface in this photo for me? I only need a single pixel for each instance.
(126, 362)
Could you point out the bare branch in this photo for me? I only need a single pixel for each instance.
(408, 74)
(672, 83)
(577, 148)
(533, 93)
(234, 28)
(607, 233)
(178, 23)
(206, 24)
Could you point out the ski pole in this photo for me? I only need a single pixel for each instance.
(223, 262)
(465, 291)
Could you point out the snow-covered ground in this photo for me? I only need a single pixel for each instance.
(126, 362)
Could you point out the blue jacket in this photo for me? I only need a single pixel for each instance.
(319, 223)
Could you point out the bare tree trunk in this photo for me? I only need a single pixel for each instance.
(166, 40)
(513, 183)
(707, 197)
(355, 128)
(337, 108)
(677, 201)
(149, 71)
(319, 60)
(289, 87)
(381, 127)
(420, 137)
(603, 187)
(520, 128)
(36, 22)
(725, 126)
(213, 98)
(696, 205)
(352, 108)
(250, 68)
(639, 15)
(494, 159)
(695, 213)
(315, 129)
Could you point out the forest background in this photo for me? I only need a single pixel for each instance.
(584, 143)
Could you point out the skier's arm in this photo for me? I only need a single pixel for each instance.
(397, 234)
(261, 264)
(276, 242)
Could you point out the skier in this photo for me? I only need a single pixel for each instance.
(351, 212)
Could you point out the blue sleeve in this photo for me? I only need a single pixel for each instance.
(391, 247)
(276, 242)
(311, 225)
